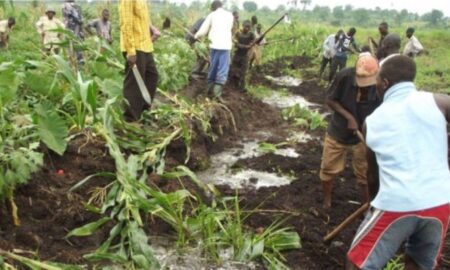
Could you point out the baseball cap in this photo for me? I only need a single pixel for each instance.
(367, 68)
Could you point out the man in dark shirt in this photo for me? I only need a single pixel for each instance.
(201, 62)
(344, 44)
(383, 28)
(239, 66)
(352, 97)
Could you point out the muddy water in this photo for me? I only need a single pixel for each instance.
(283, 100)
(286, 100)
(287, 81)
(222, 171)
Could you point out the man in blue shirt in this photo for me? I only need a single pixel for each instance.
(408, 173)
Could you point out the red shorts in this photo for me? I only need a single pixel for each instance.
(382, 233)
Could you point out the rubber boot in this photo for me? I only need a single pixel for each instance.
(365, 197)
(327, 188)
(210, 89)
(217, 91)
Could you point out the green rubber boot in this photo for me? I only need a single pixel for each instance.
(217, 91)
(210, 89)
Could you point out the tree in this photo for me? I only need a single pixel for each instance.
(434, 17)
(360, 16)
(305, 3)
(322, 13)
(401, 17)
(348, 8)
(281, 8)
(338, 13)
(250, 6)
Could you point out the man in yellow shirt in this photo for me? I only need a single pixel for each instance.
(5, 28)
(45, 27)
(137, 47)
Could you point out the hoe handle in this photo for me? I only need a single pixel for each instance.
(346, 223)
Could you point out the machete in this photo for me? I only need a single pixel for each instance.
(141, 85)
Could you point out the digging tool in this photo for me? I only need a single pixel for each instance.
(142, 86)
(281, 40)
(358, 213)
(346, 223)
(191, 34)
(257, 41)
(371, 45)
(184, 29)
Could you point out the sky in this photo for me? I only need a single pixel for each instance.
(416, 6)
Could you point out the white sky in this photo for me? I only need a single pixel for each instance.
(419, 6)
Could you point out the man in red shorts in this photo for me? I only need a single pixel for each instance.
(408, 172)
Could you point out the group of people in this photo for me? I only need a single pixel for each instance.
(137, 36)
(398, 138)
(398, 135)
(223, 29)
(47, 27)
(337, 47)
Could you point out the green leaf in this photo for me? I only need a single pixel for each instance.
(9, 83)
(88, 229)
(87, 179)
(52, 129)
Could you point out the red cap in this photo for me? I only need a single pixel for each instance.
(367, 68)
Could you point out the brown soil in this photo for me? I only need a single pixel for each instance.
(48, 211)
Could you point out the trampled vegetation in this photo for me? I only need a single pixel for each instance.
(48, 104)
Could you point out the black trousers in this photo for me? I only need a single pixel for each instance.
(337, 63)
(239, 68)
(145, 63)
(323, 65)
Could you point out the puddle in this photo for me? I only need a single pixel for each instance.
(220, 172)
(299, 137)
(192, 258)
(287, 81)
(287, 152)
(287, 100)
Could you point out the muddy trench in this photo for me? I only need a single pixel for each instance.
(286, 180)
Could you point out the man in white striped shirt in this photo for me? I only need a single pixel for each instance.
(218, 25)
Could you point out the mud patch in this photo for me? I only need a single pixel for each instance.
(286, 81)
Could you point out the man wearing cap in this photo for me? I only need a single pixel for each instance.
(408, 173)
(352, 97)
(413, 47)
(137, 47)
(6, 27)
(45, 27)
(219, 26)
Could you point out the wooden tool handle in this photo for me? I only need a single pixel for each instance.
(346, 223)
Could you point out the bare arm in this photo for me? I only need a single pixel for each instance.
(443, 103)
(337, 107)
